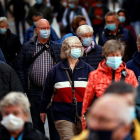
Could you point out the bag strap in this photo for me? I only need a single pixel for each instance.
(34, 58)
(73, 92)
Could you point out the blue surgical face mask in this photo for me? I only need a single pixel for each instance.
(132, 112)
(114, 62)
(71, 6)
(87, 41)
(122, 19)
(38, 1)
(3, 31)
(99, 5)
(34, 23)
(45, 33)
(75, 53)
(111, 27)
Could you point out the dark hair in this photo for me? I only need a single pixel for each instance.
(38, 14)
(126, 15)
(120, 88)
(75, 22)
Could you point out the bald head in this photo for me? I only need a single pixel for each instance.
(42, 23)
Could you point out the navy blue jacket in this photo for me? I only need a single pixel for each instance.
(63, 108)
(134, 65)
(2, 58)
(29, 34)
(94, 57)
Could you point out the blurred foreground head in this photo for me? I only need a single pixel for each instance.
(109, 118)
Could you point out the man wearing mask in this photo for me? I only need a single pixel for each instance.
(134, 64)
(73, 11)
(31, 31)
(115, 31)
(106, 121)
(33, 64)
(129, 94)
(9, 42)
(39, 7)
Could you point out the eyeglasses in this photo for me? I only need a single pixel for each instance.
(74, 47)
(43, 28)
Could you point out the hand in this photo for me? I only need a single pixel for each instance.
(98, 17)
(43, 117)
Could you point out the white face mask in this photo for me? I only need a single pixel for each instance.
(12, 122)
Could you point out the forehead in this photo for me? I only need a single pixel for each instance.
(43, 24)
(3, 23)
(89, 33)
(121, 14)
(11, 108)
(111, 17)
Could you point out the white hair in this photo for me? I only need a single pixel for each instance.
(4, 19)
(67, 44)
(15, 99)
(83, 29)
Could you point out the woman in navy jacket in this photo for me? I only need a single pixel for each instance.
(63, 108)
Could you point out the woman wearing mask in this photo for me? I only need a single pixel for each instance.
(109, 70)
(15, 112)
(92, 52)
(125, 21)
(64, 110)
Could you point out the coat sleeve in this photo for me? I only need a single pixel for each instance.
(134, 80)
(100, 41)
(2, 58)
(47, 92)
(88, 97)
(15, 82)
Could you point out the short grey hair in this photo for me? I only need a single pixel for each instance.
(112, 46)
(4, 19)
(15, 99)
(83, 29)
(138, 42)
(67, 44)
(112, 13)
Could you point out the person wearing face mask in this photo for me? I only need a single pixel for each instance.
(97, 14)
(112, 68)
(39, 7)
(31, 31)
(134, 64)
(9, 42)
(68, 79)
(115, 31)
(124, 20)
(108, 119)
(32, 66)
(73, 11)
(15, 113)
(129, 94)
(92, 52)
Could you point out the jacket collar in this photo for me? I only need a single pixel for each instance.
(7, 34)
(102, 67)
(65, 64)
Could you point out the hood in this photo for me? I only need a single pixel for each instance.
(102, 67)
(136, 57)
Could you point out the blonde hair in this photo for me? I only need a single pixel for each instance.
(112, 46)
(83, 29)
(15, 99)
(67, 44)
(4, 19)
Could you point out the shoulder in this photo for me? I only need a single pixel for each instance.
(68, 35)
(5, 68)
(130, 63)
(86, 65)
(130, 73)
(98, 48)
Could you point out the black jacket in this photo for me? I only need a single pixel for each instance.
(22, 61)
(10, 46)
(129, 42)
(94, 57)
(28, 133)
(9, 80)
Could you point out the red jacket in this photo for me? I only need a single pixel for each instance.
(100, 79)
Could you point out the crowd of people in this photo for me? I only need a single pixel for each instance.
(86, 89)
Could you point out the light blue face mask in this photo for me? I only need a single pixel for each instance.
(132, 112)
(71, 6)
(87, 41)
(111, 27)
(3, 31)
(38, 1)
(35, 23)
(114, 62)
(99, 5)
(122, 19)
(45, 33)
(75, 53)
